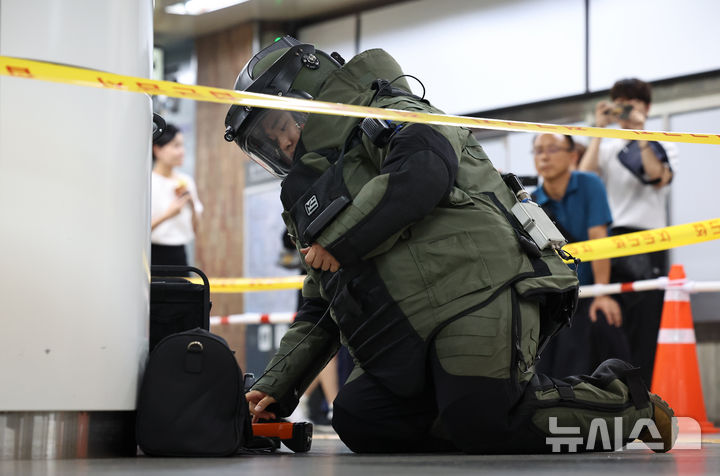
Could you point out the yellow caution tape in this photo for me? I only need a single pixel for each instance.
(646, 241)
(611, 247)
(23, 68)
(616, 246)
(244, 285)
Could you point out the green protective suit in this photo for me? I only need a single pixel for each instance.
(453, 276)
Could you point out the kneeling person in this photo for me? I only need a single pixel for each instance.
(416, 263)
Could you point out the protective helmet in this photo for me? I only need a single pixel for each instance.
(285, 68)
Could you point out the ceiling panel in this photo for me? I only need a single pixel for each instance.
(169, 26)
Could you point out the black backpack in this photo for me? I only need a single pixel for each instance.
(192, 399)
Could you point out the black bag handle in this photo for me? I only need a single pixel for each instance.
(157, 270)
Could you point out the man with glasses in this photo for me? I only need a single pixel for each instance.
(578, 204)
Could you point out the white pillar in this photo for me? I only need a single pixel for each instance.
(74, 209)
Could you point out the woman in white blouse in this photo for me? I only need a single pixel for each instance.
(176, 207)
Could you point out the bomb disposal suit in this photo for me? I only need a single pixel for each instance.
(442, 298)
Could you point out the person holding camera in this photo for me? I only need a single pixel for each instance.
(636, 175)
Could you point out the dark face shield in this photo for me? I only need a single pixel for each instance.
(271, 137)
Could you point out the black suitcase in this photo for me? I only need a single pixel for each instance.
(177, 304)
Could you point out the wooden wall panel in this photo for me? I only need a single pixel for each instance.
(220, 166)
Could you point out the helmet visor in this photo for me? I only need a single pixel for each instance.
(271, 137)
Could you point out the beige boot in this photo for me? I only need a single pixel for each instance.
(665, 423)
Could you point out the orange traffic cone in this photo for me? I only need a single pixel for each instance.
(676, 376)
